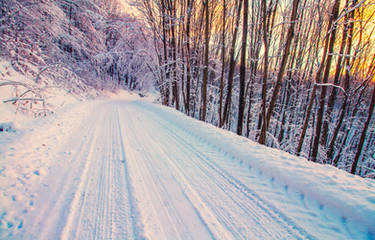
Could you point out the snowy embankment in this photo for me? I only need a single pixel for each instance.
(348, 197)
(25, 154)
(31, 133)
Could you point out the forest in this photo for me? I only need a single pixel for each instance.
(290, 74)
(297, 75)
(79, 45)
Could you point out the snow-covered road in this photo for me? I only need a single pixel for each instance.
(187, 194)
(130, 173)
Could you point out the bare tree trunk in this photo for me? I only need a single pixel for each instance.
(188, 52)
(262, 137)
(249, 116)
(232, 63)
(241, 106)
(174, 80)
(222, 64)
(205, 70)
(171, 6)
(166, 70)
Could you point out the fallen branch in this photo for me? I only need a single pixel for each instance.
(330, 85)
(43, 70)
(24, 99)
(15, 83)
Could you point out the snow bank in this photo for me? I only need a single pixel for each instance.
(26, 141)
(350, 198)
(25, 159)
(23, 115)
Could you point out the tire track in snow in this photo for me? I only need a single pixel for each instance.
(78, 206)
(213, 171)
(53, 202)
(100, 210)
(206, 216)
(137, 166)
(219, 216)
(217, 172)
(165, 211)
(211, 220)
(134, 228)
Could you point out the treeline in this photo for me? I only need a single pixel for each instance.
(297, 75)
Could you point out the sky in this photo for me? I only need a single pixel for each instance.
(128, 8)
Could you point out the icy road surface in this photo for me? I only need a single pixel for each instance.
(128, 172)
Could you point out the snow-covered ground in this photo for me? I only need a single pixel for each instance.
(124, 168)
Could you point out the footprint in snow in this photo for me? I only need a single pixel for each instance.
(10, 224)
(371, 199)
(20, 225)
